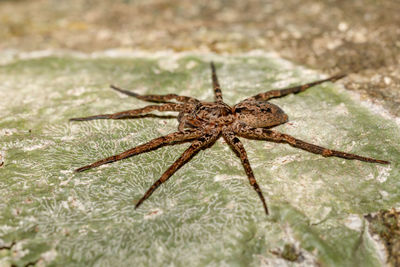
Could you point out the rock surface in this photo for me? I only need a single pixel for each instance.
(51, 214)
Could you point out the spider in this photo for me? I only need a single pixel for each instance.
(203, 123)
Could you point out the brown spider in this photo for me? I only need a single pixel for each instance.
(203, 123)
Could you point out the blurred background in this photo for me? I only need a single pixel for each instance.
(361, 37)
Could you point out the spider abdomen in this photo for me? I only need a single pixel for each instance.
(259, 114)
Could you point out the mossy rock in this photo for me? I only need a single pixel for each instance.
(207, 213)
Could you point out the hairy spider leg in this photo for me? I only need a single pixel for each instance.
(292, 90)
(239, 150)
(274, 136)
(151, 115)
(129, 114)
(172, 138)
(199, 144)
(217, 88)
(156, 98)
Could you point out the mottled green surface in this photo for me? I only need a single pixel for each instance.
(207, 213)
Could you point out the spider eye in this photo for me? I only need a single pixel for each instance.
(266, 110)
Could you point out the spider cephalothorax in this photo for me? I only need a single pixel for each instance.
(202, 123)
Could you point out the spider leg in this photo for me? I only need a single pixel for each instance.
(201, 143)
(217, 88)
(239, 150)
(176, 137)
(129, 114)
(156, 98)
(274, 136)
(151, 115)
(292, 90)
